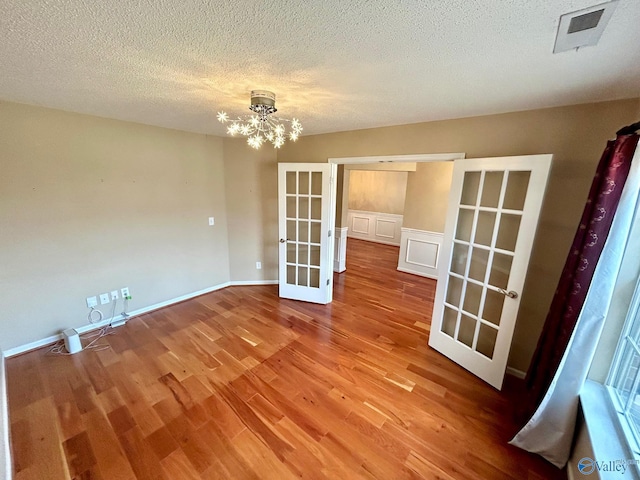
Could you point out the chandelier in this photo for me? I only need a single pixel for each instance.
(262, 126)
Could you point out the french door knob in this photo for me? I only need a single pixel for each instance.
(510, 293)
(282, 240)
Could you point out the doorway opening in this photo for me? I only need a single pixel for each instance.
(398, 200)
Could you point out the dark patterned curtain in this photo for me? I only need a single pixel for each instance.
(580, 265)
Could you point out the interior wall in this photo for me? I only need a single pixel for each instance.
(575, 135)
(251, 185)
(377, 191)
(89, 205)
(427, 196)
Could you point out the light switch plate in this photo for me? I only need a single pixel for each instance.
(212, 221)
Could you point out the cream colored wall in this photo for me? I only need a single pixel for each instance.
(576, 135)
(427, 196)
(251, 184)
(89, 205)
(376, 191)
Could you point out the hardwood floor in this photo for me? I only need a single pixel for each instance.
(238, 384)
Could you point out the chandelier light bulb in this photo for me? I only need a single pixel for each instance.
(262, 126)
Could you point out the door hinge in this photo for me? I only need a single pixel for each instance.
(329, 233)
(328, 281)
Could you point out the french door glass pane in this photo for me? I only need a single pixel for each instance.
(316, 208)
(303, 207)
(291, 207)
(508, 232)
(449, 321)
(470, 188)
(479, 262)
(316, 183)
(303, 279)
(303, 183)
(467, 330)
(465, 224)
(472, 297)
(484, 229)
(516, 192)
(486, 340)
(314, 280)
(493, 303)
(500, 270)
(454, 291)
(314, 255)
(292, 184)
(491, 189)
(459, 258)
(292, 230)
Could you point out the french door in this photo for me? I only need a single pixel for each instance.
(494, 205)
(306, 218)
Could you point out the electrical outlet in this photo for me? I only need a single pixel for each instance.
(114, 294)
(92, 302)
(125, 292)
(104, 298)
(212, 221)
(258, 265)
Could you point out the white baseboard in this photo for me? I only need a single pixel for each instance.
(92, 326)
(5, 448)
(516, 373)
(417, 272)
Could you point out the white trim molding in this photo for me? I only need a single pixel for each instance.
(420, 252)
(421, 157)
(340, 250)
(374, 226)
(5, 447)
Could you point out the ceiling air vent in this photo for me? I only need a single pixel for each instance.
(584, 27)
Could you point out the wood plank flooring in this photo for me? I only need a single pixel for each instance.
(238, 384)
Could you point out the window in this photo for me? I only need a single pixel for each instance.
(623, 383)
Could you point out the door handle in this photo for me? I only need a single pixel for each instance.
(282, 240)
(510, 293)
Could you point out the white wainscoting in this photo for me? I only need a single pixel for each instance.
(420, 252)
(374, 226)
(340, 250)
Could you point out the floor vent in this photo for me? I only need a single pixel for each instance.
(584, 27)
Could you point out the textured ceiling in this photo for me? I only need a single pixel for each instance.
(337, 65)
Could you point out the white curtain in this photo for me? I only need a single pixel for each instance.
(550, 430)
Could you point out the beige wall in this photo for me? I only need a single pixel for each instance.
(89, 205)
(376, 191)
(576, 135)
(251, 184)
(427, 196)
